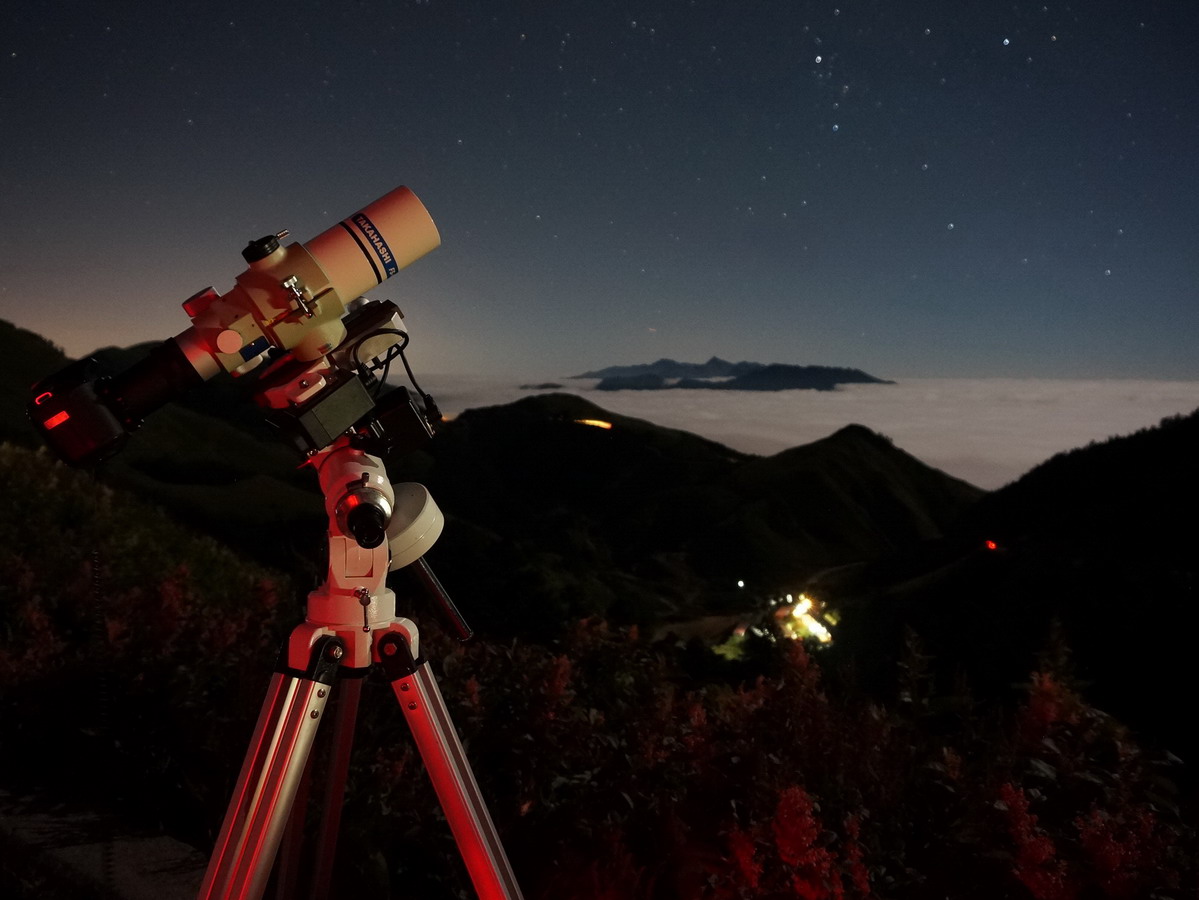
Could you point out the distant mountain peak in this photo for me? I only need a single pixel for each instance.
(715, 367)
(857, 432)
(721, 375)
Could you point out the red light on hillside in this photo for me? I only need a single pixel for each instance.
(56, 420)
(991, 545)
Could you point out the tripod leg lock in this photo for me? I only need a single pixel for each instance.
(396, 656)
(323, 660)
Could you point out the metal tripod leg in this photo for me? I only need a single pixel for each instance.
(349, 692)
(445, 761)
(308, 871)
(254, 822)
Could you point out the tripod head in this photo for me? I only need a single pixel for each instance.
(291, 301)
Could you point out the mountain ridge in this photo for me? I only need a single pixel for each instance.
(1093, 547)
(719, 374)
(715, 367)
(551, 519)
(679, 512)
(635, 522)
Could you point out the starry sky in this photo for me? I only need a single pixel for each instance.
(917, 189)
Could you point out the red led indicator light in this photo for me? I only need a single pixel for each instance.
(42, 398)
(55, 421)
(991, 545)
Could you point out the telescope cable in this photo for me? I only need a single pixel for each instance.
(432, 413)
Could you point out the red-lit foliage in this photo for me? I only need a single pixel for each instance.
(1036, 862)
(614, 768)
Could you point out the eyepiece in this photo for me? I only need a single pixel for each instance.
(367, 524)
(364, 513)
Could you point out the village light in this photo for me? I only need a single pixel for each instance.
(801, 621)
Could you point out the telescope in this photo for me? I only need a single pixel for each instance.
(291, 299)
(296, 319)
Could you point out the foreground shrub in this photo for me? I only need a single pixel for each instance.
(134, 656)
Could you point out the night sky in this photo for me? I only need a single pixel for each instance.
(915, 189)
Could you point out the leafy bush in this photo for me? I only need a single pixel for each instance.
(133, 656)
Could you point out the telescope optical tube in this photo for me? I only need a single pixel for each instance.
(363, 251)
(291, 298)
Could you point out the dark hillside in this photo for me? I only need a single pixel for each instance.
(130, 646)
(551, 518)
(208, 458)
(853, 491)
(586, 519)
(134, 657)
(25, 358)
(616, 766)
(684, 518)
(1106, 536)
(1102, 540)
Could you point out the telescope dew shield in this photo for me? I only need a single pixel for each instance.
(363, 251)
(293, 297)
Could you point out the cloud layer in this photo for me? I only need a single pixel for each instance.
(986, 431)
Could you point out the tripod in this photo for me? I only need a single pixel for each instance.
(350, 625)
(291, 313)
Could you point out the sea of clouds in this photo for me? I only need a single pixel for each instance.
(986, 431)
